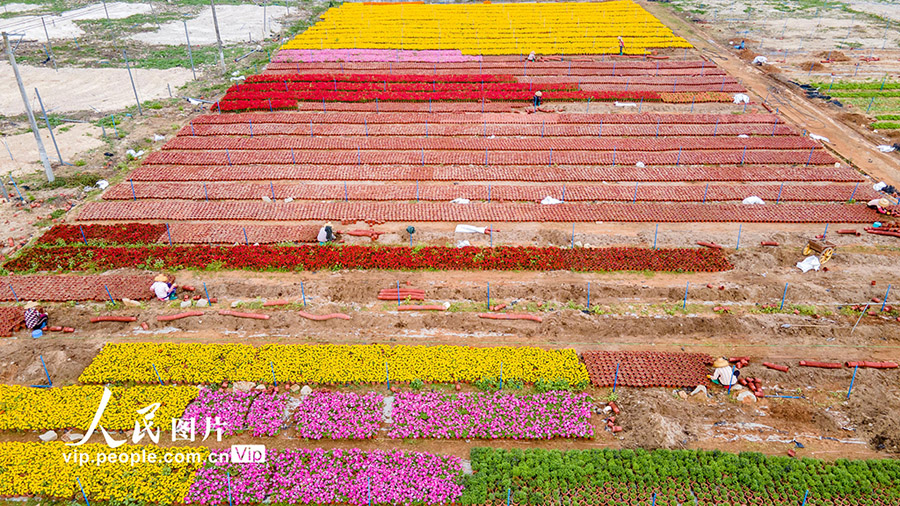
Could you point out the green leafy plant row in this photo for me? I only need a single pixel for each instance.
(849, 85)
(588, 477)
(865, 94)
(886, 125)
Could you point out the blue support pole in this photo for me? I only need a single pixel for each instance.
(573, 236)
(169, 234)
(157, 374)
(780, 188)
(83, 237)
(684, 302)
(82, 491)
(488, 296)
(655, 233)
(398, 292)
(246, 241)
(303, 293)
(716, 128)
(804, 497)
(852, 380)
(49, 381)
(16, 186)
(738, 246)
(883, 302)
(227, 156)
(854, 191)
(654, 500)
(109, 294)
(13, 292)
(600, 132)
(205, 192)
(228, 480)
(732, 379)
(705, 192)
(369, 484)
(825, 233)
(133, 195)
(272, 189)
(387, 375)
(809, 158)
(272, 367)
(205, 290)
(616, 378)
(634, 200)
(783, 295)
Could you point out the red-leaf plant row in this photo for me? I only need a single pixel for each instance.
(385, 86)
(125, 233)
(363, 257)
(437, 96)
(391, 78)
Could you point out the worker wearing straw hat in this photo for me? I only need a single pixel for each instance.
(880, 205)
(537, 99)
(163, 289)
(725, 374)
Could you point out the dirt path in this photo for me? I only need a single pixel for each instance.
(846, 142)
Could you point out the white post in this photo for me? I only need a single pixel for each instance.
(212, 4)
(34, 129)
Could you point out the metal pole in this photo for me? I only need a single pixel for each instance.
(49, 45)
(152, 11)
(212, 4)
(852, 380)
(133, 88)
(190, 53)
(50, 128)
(48, 170)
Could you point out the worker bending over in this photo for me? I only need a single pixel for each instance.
(880, 205)
(163, 289)
(326, 234)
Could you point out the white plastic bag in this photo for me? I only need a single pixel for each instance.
(459, 200)
(809, 263)
(741, 98)
(753, 199)
(469, 229)
(550, 201)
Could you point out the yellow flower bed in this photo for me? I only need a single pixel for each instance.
(491, 29)
(328, 363)
(24, 408)
(41, 469)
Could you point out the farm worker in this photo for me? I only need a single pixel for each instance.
(621, 46)
(531, 56)
(537, 99)
(326, 234)
(162, 288)
(879, 205)
(35, 317)
(725, 374)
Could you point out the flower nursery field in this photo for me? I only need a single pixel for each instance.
(525, 295)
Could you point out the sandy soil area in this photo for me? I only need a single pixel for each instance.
(237, 23)
(98, 90)
(63, 26)
(75, 140)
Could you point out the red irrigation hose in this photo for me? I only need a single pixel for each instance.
(821, 365)
(319, 318)
(255, 316)
(873, 365)
(55, 329)
(768, 243)
(782, 368)
(188, 288)
(178, 316)
(98, 319)
(848, 231)
(498, 307)
(420, 308)
(371, 234)
(511, 316)
(709, 244)
(279, 302)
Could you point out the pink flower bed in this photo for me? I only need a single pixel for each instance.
(338, 415)
(333, 477)
(372, 55)
(491, 415)
(258, 411)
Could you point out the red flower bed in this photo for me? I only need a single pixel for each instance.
(391, 78)
(429, 86)
(125, 233)
(254, 105)
(646, 368)
(362, 257)
(282, 97)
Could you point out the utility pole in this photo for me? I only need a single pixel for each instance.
(212, 3)
(34, 129)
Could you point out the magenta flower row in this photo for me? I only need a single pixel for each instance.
(337, 476)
